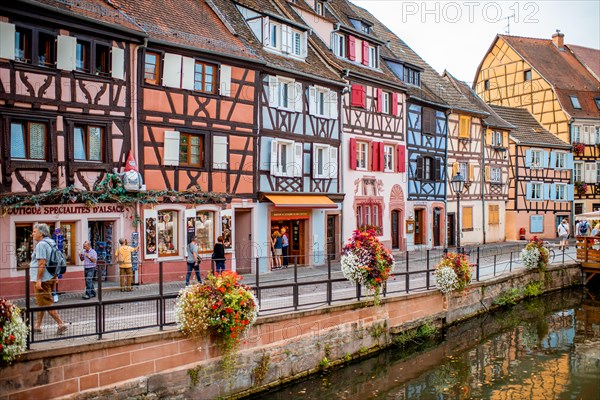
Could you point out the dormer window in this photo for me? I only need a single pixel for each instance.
(412, 76)
(373, 59)
(319, 7)
(338, 45)
(286, 39)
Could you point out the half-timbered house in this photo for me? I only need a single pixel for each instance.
(477, 148)
(559, 85)
(540, 167)
(196, 129)
(374, 165)
(298, 182)
(66, 105)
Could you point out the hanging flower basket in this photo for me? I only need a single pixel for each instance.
(221, 308)
(535, 255)
(367, 262)
(13, 333)
(578, 148)
(581, 187)
(453, 273)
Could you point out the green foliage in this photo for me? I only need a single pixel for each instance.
(110, 190)
(324, 363)
(194, 375)
(347, 357)
(508, 298)
(327, 351)
(260, 371)
(533, 289)
(378, 330)
(415, 336)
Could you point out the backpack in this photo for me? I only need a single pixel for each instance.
(583, 228)
(56, 264)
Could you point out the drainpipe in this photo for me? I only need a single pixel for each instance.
(446, 183)
(482, 182)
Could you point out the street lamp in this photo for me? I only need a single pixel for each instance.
(458, 185)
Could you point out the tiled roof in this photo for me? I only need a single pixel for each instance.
(98, 10)
(589, 57)
(493, 119)
(313, 65)
(527, 130)
(434, 88)
(340, 64)
(189, 23)
(562, 70)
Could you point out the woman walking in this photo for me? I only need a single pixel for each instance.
(563, 234)
(277, 249)
(219, 255)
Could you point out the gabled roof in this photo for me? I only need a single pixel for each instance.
(527, 130)
(100, 11)
(588, 57)
(337, 10)
(313, 66)
(561, 69)
(493, 119)
(189, 23)
(434, 89)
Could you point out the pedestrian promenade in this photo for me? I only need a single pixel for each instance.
(122, 314)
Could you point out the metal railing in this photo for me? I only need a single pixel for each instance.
(295, 288)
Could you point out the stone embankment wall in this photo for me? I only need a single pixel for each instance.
(277, 349)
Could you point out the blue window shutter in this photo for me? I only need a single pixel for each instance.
(570, 161)
(546, 191)
(544, 159)
(552, 159)
(528, 158)
(570, 192)
(529, 191)
(552, 191)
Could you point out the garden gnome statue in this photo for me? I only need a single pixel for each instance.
(132, 179)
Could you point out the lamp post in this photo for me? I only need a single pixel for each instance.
(458, 185)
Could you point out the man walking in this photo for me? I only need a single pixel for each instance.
(44, 281)
(89, 258)
(193, 263)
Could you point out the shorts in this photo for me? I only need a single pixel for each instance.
(43, 297)
(564, 237)
(277, 252)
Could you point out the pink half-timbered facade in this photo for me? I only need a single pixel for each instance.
(66, 104)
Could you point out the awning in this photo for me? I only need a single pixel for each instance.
(588, 216)
(298, 201)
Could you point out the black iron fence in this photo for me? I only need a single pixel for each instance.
(122, 314)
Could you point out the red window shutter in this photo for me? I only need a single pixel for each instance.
(381, 157)
(379, 100)
(358, 96)
(374, 156)
(394, 103)
(365, 53)
(401, 158)
(351, 48)
(352, 153)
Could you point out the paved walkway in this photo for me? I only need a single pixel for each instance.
(126, 313)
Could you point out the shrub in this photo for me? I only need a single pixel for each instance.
(459, 264)
(535, 255)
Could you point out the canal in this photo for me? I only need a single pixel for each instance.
(547, 347)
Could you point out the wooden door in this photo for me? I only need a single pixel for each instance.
(331, 247)
(437, 230)
(242, 222)
(395, 230)
(297, 238)
(451, 229)
(419, 226)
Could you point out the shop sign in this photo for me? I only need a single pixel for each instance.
(290, 214)
(56, 210)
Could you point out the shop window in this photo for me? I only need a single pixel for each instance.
(152, 68)
(167, 228)
(204, 77)
(87, 143)
(64, 238)
(28, 140)
(205, 231)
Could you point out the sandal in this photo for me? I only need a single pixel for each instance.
(37, 330)
(61, 330)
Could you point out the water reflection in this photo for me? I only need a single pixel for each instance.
(545, 348)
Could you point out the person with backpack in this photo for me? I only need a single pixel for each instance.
(563, 234)
(584, 228)
(218, 255)
(43, 278)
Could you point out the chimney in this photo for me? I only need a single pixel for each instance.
(558, 39)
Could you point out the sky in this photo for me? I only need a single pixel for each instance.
(455, 35)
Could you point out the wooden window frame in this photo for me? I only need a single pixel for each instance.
(533, 190)
(86, 139)
(338, 45)
(527, 75)
(202, 152)
(27, 39)
(387, 157)
(27, 135)
(360, 145)
(203, 82)
(157, 67)
(85, 45)
(386, 102)
(33, 35)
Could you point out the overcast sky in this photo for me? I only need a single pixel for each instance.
(455, 35)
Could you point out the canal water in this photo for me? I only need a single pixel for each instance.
(547, 347)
